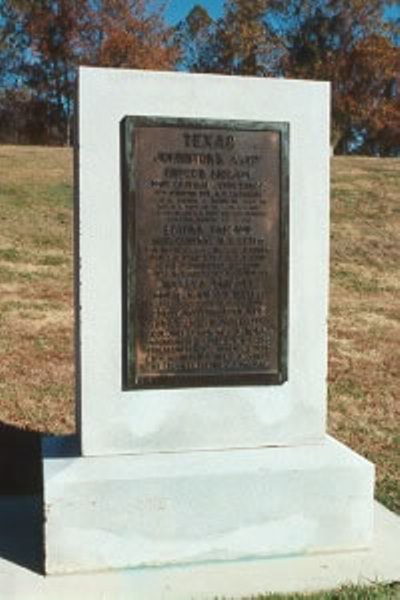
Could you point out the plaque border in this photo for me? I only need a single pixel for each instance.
(128, 191)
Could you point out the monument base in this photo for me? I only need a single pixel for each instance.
(164, 509)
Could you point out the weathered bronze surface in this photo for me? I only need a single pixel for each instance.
(205, 261)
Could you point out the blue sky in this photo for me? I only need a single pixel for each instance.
(178, 9)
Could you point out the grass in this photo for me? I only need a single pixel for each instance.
(374, 592)
(36, 355)
(36, 350)
(364, 330)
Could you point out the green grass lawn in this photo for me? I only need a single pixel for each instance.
(36, 279)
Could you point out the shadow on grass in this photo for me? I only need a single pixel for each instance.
(21, 498)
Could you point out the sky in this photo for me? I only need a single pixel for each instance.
(178, 9)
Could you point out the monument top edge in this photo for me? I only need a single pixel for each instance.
(100, 72)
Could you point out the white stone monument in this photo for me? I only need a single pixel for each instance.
(176, 474)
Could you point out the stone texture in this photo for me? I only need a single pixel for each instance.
(238, 579)
(165, 509)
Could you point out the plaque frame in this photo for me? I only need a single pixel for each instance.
(128, 126)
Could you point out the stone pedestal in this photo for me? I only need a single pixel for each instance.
(202, 472)
(168, 509)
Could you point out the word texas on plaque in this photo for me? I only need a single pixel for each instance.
(205, 252)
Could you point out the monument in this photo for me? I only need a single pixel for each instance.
(202, 235)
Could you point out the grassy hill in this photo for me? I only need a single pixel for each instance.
(36, 352)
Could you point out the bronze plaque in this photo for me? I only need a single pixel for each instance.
(205, 253)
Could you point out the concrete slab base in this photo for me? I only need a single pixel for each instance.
(170, 509)
(195, 582)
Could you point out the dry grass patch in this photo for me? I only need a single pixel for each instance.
(35, 165)
(36, 358)
(365, 315)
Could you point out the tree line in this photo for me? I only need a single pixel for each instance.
(355, 44)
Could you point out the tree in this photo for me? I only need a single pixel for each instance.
(133, 34)
(60, 36)
(43, 42)
(13, 44)
(193, 35)
(348, 43)
(373, 75)
(240, 42)
(245, 43)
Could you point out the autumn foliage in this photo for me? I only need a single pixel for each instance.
(44, 42)
(350, 45)
(354, 44)
(134, 35)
